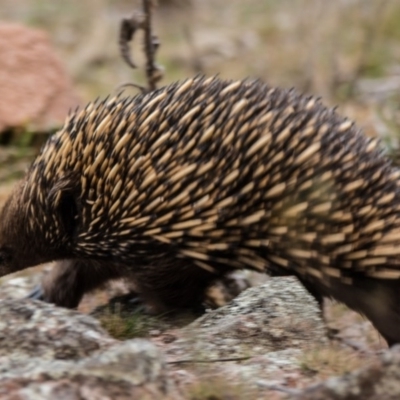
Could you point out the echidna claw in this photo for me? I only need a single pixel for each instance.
(36, 293)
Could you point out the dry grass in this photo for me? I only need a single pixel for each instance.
(353, 327)
(331, 360)
(218, 388)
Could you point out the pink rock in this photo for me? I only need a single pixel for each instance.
(35, 89)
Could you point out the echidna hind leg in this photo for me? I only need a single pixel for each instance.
(315, 293)
(69, 280)
(377, 299)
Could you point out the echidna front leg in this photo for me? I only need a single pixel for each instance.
(175, 285)
(172, 286)
(69, 280)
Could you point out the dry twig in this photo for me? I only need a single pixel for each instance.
(128, 28)
(217, 360)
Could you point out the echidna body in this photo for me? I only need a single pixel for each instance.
(180, 186)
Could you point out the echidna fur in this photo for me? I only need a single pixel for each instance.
(182, 185)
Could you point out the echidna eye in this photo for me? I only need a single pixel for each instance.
(5, 255)
(68, 210)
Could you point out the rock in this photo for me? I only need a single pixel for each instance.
(380, 380)
(129, 370)
(17, 286)
(53, 353)
(257, 341)
(35, 88)
(34, 329)
(278, 315)
(256, 345)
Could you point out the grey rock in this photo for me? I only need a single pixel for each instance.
(258, 340)
(35, 329)
(53, 353)
(278, 315)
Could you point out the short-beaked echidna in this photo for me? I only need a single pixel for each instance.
(179, 186)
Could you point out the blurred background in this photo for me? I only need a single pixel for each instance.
(347, 51)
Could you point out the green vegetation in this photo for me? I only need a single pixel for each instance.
(123, 326)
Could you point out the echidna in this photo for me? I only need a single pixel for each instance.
(182, 185)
